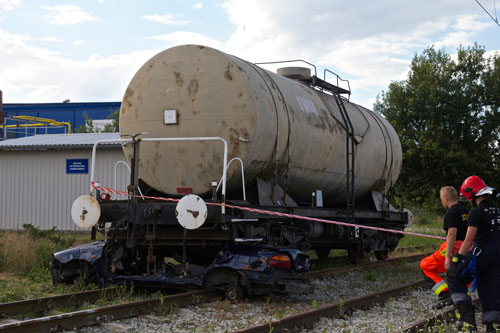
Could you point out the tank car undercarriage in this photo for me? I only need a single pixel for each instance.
(154, 232)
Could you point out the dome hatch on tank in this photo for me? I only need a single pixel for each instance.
(301, 73)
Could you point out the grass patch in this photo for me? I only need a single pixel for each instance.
(424, 218)
(29, 252)
(413, 241)
(424, 222)
(25, 260)
(14, 287)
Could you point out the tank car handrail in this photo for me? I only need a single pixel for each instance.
(94, 150)
(284, 61)
(208, 138)
(129, 171)
(338, 78)
(242, 176)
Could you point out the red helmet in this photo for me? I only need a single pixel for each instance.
(473, 187)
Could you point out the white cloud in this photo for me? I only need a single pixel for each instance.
(464, 30)
(165, 19)
(7, 5)
(51, 39)
(34, 74)
(68, 14)
(371, 43)
(492, 53)
(186, 37)
(471, 23)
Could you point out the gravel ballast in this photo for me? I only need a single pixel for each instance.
(221, 316)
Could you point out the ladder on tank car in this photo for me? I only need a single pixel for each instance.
(336, 91)
(350, 205)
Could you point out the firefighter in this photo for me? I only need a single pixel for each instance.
(478, 259)
(455, 225)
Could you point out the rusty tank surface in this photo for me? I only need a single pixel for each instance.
(281, 128)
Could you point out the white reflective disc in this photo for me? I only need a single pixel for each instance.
(85, 211)
(191, 211)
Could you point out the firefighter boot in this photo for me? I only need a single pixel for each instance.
(467, 321)
(444, 300)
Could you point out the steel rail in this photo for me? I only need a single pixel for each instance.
(82, 318)
(46, 303)
(446, 316)
(337, 310)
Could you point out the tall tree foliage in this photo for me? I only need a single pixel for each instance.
(89, 126)
(447, 116)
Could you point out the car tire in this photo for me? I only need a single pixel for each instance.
(234, 294)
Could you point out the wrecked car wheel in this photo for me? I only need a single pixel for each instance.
(234, 294)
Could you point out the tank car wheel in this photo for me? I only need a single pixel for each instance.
(355, 255)
(322, 252)
(381, 255)
(234, 294)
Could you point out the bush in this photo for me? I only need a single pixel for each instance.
(427, 218)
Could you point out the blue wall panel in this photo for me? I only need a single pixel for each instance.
(64, 112)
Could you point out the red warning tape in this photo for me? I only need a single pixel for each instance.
(262, 211)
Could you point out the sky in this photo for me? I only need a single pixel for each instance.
(89, 50)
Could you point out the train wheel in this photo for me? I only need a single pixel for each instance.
(355, 255)
(234, 294)
(381, 255)
(322, 252)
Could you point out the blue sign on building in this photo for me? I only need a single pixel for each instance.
(77, 165)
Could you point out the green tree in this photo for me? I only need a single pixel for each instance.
(114, 126)
(89, 127)
(446, 114)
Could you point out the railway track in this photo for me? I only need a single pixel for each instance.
(344, 259)
(60, 301)
(444, 317)
(82, 318)
(329, 271)
(337, 310)
(76, 319)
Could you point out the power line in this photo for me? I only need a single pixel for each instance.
(495, 19)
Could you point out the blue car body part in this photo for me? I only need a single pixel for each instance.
(251, 267)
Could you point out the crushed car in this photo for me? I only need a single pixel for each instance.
(238, 269)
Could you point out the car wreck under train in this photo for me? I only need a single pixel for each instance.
(197, 121)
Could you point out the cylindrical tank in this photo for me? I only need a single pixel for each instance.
(279, 127)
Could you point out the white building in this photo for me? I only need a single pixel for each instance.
(41, 176)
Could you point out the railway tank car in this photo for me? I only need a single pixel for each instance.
(300, 149)
(278, 126)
